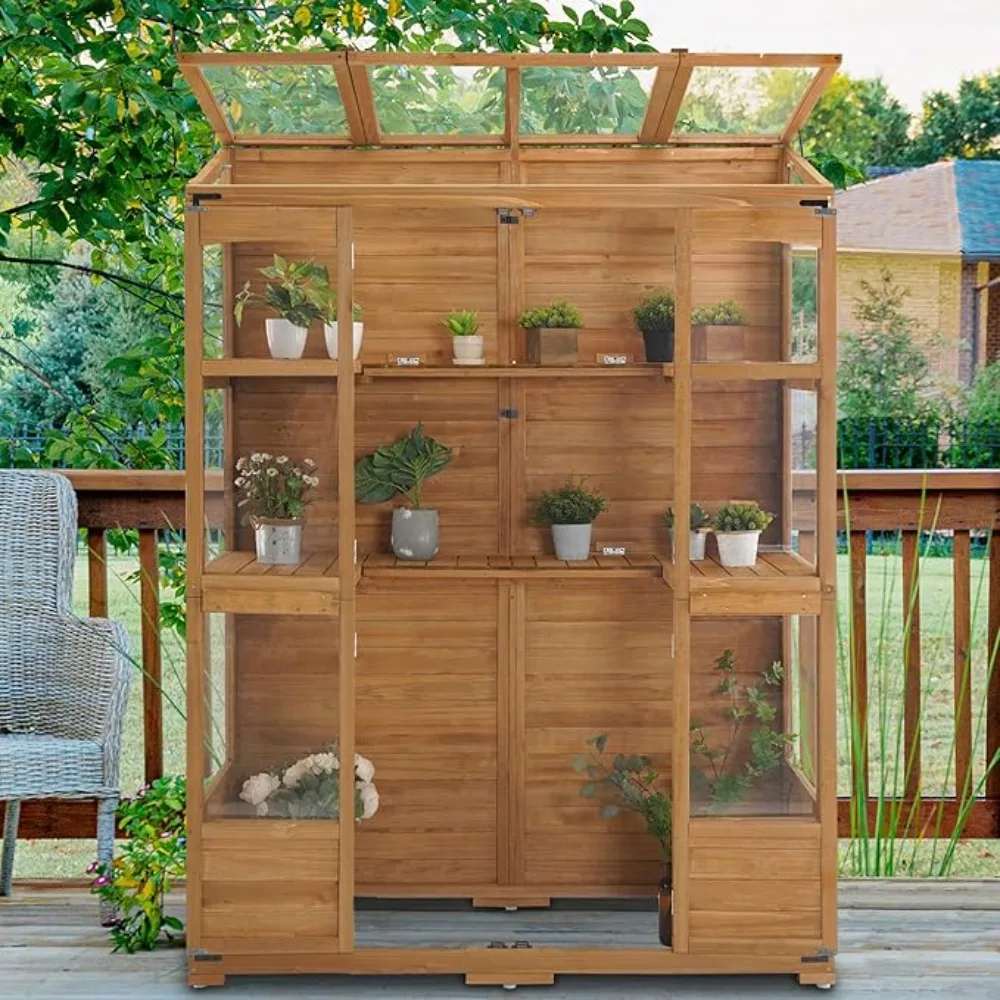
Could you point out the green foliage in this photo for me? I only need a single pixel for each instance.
(975, 433)
(741, 517)
(750, 713)
(626, 782)
(572, 503)
(331, 305)
(655, 313)
(462, 323)
(301, 292)
(558, 316)
(726, 312)
(402, 467)
(153, 856)
(700, 518)
(965, 125)
(274, 488)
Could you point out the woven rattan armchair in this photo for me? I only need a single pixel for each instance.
(63, 680)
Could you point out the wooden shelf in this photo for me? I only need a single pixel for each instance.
(520, 371)
(746, 371)
(382, 566)
(781, 583)
(236, 582)
(221, 369)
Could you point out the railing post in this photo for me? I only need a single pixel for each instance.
(152, 695)
(993, 672)
(963, 671)
(859, 672)
(97, 572)
(911, 661)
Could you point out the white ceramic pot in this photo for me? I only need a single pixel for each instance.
(279, 543)
(572, 541)
(468, 350)
(330, 331)
(285, 339)
(696, 545)
(737, 548)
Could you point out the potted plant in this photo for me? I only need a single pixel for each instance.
(297, 291)
(571, 510)
(654, 318)
(466, 340)
(728, 773)
(701, 524)
(737, 529)
(331, 327)
(274, 491)
(630, 782)
(718, 332)
(403, 467)
(551, 334)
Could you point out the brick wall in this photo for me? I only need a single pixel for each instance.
(934, 284)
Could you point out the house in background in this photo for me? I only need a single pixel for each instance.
(937, 229)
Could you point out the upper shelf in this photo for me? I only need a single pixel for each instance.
(222, 369)
(519, 371)
(534, 567)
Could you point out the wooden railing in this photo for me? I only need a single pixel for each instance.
(946, 500)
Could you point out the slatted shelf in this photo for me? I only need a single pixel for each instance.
(236, 582)
(219, 370)
(644, 370)
(381, 565)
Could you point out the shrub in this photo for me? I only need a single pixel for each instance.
(700, 518)
(402, 467)
(572, 503)
(462, 323)
(724, 313)
(154, 855)
(655, 313)
(558, 316)
(741, 517)
(975, 432)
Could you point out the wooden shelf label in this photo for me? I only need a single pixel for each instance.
(613, 550)
(612, 359)
(410, 361)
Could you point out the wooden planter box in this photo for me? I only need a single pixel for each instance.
(718, 343)
(552, 346)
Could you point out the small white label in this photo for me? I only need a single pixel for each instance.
(614, 359)
(613, 550)
(411, 362)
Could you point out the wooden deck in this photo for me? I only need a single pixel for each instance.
(905, 939)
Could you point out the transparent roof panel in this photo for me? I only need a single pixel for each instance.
(278, 99)
(741, 100)
(584, 100)
(439, 100)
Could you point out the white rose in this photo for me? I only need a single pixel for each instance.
(326, 762)
(294, 774)
(258, 787)
(364, 769)
(369, 801)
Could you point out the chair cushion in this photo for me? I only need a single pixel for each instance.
(40, 766)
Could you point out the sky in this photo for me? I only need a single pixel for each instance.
(917, 45)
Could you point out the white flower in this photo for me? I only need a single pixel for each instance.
(266, 457)
(262, 809)
(272, 472)
(311, 480)
(326, 762)
(282, 459)
(239, 481)
(258, 788)
(309, 463)
(241, 464)
(294, 774)
(369, 801)
(364, 769)
(256, 456)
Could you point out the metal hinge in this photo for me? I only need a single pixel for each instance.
(195, 208)
(509, 414)
(197, 199)
(507, 217)
(822, 955)
(200, 955)
(825, 210)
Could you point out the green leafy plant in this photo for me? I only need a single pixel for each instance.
(330, 305)
(725, 781)
(558, 316)
(153, 856)
(728, 312)
(975, 431)
(462, 323)
(572, 503)
(655, 313)
(298, 291)
(741, 517)
(402, 467)
(701, 520)
(274, 488)
(626, 782)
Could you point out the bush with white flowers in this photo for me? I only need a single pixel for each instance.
(273, 487)
(310, 789)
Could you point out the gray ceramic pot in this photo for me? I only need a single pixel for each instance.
(572, 541)
(279, 543)
(414, 533)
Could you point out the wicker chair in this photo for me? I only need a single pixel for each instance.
(63, 680)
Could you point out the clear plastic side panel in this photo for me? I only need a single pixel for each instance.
(753, 716)
(801, 450)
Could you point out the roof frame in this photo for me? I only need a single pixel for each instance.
(352, 71)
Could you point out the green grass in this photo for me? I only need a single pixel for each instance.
(63, 859)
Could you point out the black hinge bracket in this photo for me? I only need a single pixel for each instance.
(814, 202)
(822, 955)
(197, 199)
(509, 414)
(204, 956)
(507, 220)
(497, 944)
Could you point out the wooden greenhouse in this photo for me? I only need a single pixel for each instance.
(472, 680)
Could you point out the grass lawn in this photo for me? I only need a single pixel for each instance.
(63, 859)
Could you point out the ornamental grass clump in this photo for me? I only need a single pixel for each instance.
(274, 488)
(728, 312)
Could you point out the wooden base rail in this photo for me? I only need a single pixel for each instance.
(959, 501)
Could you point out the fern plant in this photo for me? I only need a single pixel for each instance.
(749, 709)
(402, 467)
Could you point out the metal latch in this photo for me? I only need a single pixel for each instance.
(507, 217)
(509, 414)
(822, 955)
(200, 955)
